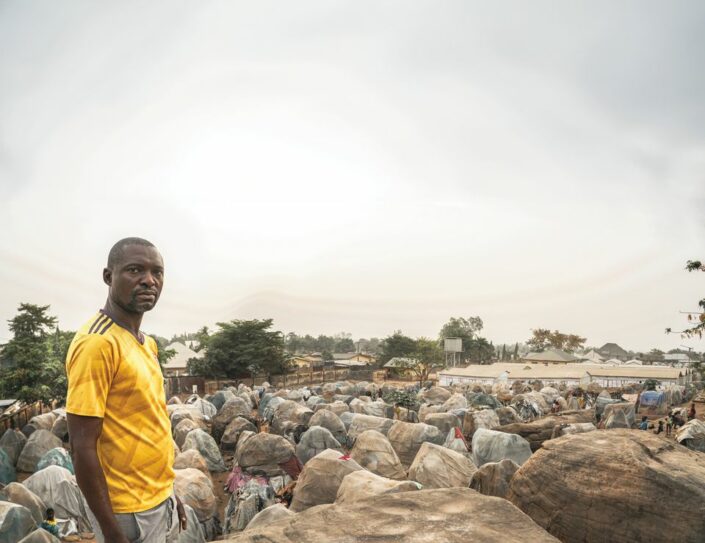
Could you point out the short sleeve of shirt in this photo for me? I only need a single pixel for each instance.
(90, 370)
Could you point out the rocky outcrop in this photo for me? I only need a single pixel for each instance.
(614, 485)
(456, 515)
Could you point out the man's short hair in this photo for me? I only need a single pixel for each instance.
(116, 253)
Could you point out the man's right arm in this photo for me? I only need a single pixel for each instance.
(83, 434)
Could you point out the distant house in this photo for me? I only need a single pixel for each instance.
(593, 356)
(612, 350)
(677, 359)
(177, 364)
(399, 366)
(309, 361)
(352, 359)
(550, 356)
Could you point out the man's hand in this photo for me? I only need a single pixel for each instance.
(182, 514)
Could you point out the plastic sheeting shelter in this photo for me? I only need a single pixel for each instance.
(493, 446)
(692, 435)
(653, 402)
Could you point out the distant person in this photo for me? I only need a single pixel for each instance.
(660, 427)
(119, 428)
(50, 523)
(669, 425)
(691, 411)
(644, 424)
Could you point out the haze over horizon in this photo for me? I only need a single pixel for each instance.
(340, 166)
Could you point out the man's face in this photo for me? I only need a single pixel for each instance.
(136, 280)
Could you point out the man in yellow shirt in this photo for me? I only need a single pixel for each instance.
(118, 423)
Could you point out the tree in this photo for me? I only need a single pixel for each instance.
(696, 319)
(466, 329)
(32, 362)
(542, 339)
(426, 357)
(396, 345)
(239, 348)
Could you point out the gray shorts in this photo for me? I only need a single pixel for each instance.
(159, 524)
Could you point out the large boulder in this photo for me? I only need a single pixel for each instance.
(267, 516)
(232, 432)
(439, 467)
(407, 438)
(443, 421)
(487, 418)
(191, 458)
(493, 478)
(21, 495)
(195, 489)
(320, 479)
(182, 429)
(374, 452)
(314, 441)
(540, 430)
(329, 420)
(614, 485)
(493, 446)
(262, 453)
(290, 417)
(38, 444)
(12, 442)
(206, 445)
(15, 522)
(362, 423)
(456, 515)
(362, 484)
(235, 407)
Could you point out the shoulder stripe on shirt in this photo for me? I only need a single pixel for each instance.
(99, 321)
(105, 328)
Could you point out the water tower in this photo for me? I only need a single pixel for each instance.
(452, 346)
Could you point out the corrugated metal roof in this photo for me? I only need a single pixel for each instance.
(559, 372)
(551, 355)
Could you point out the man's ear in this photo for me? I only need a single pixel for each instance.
(107, 276)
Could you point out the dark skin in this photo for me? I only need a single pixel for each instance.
(135, 283)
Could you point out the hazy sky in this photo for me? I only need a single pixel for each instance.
(360, 166)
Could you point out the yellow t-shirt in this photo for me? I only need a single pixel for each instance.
(112, 376)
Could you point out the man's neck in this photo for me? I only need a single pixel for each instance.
(129, 321)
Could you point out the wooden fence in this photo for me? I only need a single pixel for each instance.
(18, 419)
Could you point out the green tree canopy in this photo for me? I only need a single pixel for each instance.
(395, 345)
(240, 348)
(542, 339)
(32, 362)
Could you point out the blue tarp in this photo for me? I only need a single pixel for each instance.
(652, 398)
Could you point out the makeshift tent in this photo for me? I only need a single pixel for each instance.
(15, 522)
(692, 435)
(493, 446)
(653, 402)
(57, 488)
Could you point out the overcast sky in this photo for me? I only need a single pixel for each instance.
(360, 166)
